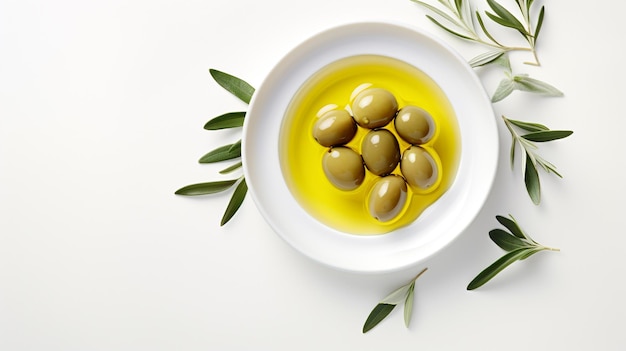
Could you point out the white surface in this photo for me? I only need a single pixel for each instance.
(437, 227)
(101, 111)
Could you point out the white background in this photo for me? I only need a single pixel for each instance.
(102, 105)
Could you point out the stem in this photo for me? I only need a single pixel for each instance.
(550, 248)
(536, 63)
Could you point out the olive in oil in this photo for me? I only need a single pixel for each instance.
(335, 87)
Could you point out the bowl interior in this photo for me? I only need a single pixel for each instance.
(441, 222)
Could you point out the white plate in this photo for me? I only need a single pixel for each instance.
(440, 223)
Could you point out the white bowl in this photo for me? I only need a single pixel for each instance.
(443, 221)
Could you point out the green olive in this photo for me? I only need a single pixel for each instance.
(387, 198)
(343, 167)
(415, 125)
(381, 152)
(374, 108)
(335, 127)
(419, 168)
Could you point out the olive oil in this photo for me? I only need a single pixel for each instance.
(334, 87)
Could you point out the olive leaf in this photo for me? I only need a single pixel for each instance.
(486, 58)
(521, 82)
(206, 188)
(232, 168)
(518, 245)
(503, 17)
(227, 120)
(537, 133)
(234, 85)
(460, 20)
(402, 294)
(380, 312)
(222, 153)
(235, 201)
(243, 91)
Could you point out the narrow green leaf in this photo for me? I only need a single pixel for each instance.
(528, 254)
(222, 153)
(235, 201)
(505, 18)
(459, 7)
(379, 313)
(205, 188)
(484, 28)
(529, 3)
(512, 226)
(505, 89)
(512, 152)
(234, 85)
(547, 135)
(525, 83)
(539, 23)
(506, 241)
(531, 179)
(398, 295)
(485, 58)
(437, 11)
(448, 29)
(549, 167)
(235, 146)
(232, 168)
(531, 127)
(408, 305)
(496, 267)
(227, 120)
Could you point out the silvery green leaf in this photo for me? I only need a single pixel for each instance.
(504, 62)
(528, 126)
(398, 295)
(539, 22)
(448, 29)
(505, 89)
(531, 179)
(547, 135)
(234, 85)
(379, 313)
(205, 188)
(408, 305)
(439, 13)
(235, 201)
(227, 120)
(485, 58)
(525, 83)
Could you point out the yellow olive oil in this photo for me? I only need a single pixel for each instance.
(333, 87)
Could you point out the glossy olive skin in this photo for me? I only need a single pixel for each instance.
(335, 127)
(415, 125)
(419, 168)
(387, 198)
(343, 167)
(374, 108)
(380, 151)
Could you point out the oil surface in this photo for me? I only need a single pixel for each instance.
(332, 87)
